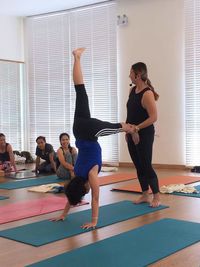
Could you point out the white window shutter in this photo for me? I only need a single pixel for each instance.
(51, 39)
(10, 103)
(192, 80)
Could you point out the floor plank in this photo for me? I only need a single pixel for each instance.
(187, 208)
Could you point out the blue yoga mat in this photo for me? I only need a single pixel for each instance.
(136, 248)
(44, 232)
(2, 197)
(30, 182)
(189, 194)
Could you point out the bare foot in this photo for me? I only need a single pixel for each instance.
(156, 201)
(78, 52)
(145, 198)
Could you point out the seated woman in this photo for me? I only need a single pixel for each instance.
(7, 159)
(67, 156)
(46, 152)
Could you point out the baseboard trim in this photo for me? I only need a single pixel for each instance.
(110, 164)
(171, 166)
(157, 166)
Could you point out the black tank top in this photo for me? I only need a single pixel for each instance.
(136, 114)
(5, 155)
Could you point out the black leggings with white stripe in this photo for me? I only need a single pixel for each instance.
(85, 127)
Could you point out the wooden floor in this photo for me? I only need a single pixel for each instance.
(15, 254)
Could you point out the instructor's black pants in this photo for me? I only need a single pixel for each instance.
(141, 156)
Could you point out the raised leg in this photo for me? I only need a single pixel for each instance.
(77, 72)
(85, 127)
(82, 105)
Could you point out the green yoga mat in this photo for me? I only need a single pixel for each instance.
(44, 232)
(136, 248)
(2, 197)
(30, 182)
(189, 194)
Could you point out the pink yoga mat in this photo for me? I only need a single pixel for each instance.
(25, 209)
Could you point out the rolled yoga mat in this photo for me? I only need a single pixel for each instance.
(139, 247)
(44, 232)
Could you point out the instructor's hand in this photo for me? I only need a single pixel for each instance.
(126, 138)
(135, 138)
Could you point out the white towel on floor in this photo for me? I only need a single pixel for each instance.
(109, 169)
(178, 188)
(43, 188)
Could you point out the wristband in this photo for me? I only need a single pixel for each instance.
(137, 128)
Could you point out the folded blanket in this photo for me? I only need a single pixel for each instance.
(109, 169)
(44, 188)
(167, 189)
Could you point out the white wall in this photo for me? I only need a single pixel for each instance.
(11, 32)
(155, 35)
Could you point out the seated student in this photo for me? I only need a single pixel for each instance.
(86, 131)
(67, 156)
(7, 159)
(46, 152)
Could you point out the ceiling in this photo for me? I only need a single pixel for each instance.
(34, 7)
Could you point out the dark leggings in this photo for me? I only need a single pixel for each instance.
(141, 156)
(88, 128)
